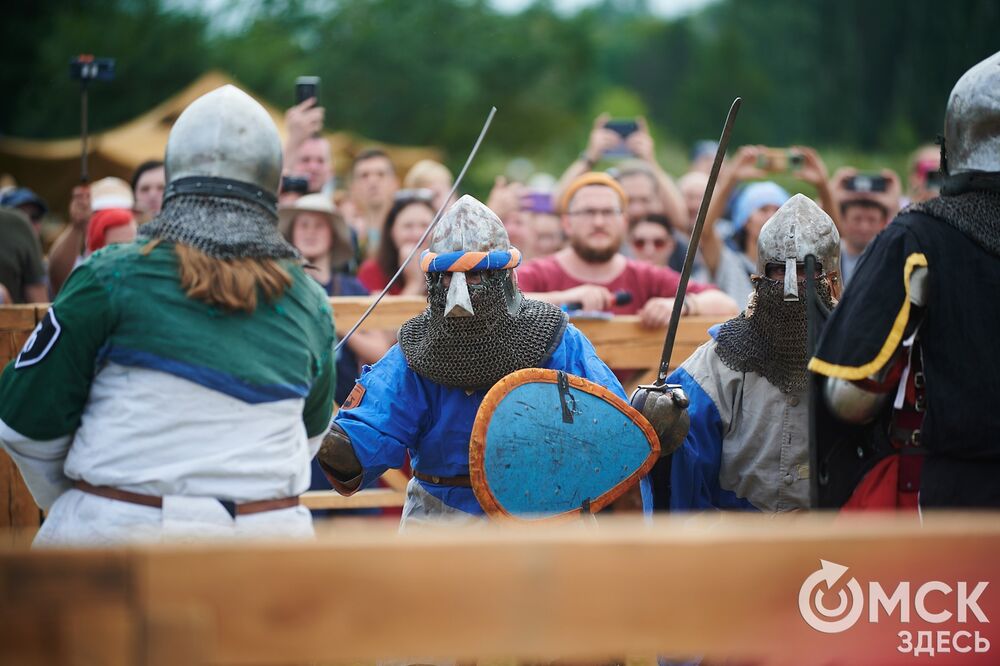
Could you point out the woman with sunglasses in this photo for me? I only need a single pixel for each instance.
(652, 239)
(411, 213)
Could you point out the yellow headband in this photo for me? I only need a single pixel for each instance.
(591, 178)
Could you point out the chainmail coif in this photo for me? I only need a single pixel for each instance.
(474, 353)
(771, 340)
(976, 214)
(221, 227)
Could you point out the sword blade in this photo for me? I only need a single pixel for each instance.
(675, 315)
(427, 232)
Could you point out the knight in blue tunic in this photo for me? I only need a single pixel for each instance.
(748, 445)
(422, 397)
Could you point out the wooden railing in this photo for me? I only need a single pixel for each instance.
(722, 587)
(17, 506)
(622, 342)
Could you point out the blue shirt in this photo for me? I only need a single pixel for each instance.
(401, 411)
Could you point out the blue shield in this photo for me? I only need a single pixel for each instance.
(547, 445)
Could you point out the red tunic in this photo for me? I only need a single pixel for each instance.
(642, 281)
(371, 276)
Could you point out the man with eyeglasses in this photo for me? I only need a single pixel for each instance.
(591, 269)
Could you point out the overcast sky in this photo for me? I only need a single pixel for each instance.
(233, 13)
(664, 8)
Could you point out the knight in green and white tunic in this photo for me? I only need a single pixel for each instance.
(129, 384)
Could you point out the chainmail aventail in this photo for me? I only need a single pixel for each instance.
(771, 340)
(976, 214)
(221, 227)
(474, 353)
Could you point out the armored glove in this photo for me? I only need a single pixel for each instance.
(337, 459)
(665, 407)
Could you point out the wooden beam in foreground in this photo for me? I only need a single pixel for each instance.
(721, 586)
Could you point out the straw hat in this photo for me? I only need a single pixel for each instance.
(111, 193)
(341, 249)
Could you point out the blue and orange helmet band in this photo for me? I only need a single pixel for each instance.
(463, 262)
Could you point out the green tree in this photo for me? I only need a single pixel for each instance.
(157, 53)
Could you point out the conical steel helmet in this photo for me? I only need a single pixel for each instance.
(799, 228)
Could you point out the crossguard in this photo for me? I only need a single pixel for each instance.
(675, 391)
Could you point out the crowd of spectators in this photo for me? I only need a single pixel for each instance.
(608, 236)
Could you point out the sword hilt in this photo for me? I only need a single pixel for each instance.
(665, 407)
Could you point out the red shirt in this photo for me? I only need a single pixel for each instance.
(371, 276)
(643, 281)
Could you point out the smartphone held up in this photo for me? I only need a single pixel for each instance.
(88, 68)
(780, 159)
(306, 87)
(294, 185)
(624, 128)
(866, 182)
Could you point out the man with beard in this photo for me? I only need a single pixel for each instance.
(592, 269)
(423, 396)
(913, 339)
(747, 447)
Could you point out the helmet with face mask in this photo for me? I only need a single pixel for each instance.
(478, 327)
(470, 238)
(799, 228)
(770, 337)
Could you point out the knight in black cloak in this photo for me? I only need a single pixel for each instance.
(911, 347)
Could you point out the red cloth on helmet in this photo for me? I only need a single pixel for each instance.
(103, 220)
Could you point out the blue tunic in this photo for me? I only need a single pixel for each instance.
(401, 411)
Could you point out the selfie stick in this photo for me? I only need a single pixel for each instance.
(86, 68)
(83, 131)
